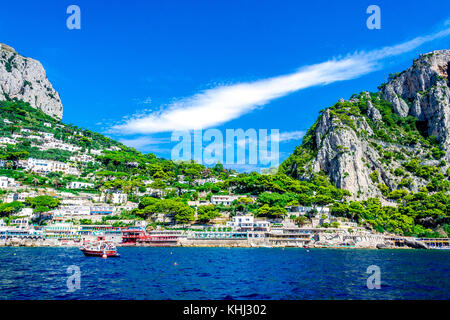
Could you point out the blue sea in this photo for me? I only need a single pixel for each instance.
(222, 273)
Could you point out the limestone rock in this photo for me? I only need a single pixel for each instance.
(348, 151)
(425, 86)
(373, 113)
(25, 78)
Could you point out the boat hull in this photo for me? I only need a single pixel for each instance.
(96, 253)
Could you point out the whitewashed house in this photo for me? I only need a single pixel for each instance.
(48, 135)
(21, 222)
(113, 197)
(248, 223)
(7, 140)
(95, 152)
(300, 211)
(73, 211)
(80, 185)
(6, 183)
(225, 200)
(82, 158)
(119, 198)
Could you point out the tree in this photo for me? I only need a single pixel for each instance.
(7, 209)
(15, 156)
(218, 168)
(207, 213)
(275, 212)
(300, 220)
(147, 201)
(184, 214)
(42, 203)
(158, 184)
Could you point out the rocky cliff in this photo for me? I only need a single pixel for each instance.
(423, 92)
(378, 144)
(25, 79)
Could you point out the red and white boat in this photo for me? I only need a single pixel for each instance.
(100, 249)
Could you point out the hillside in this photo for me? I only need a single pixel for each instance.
(25, 79)
(386, 143)
(365, 159)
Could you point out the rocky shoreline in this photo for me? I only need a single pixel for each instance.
(15, 242)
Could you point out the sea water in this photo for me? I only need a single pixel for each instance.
(223, 273)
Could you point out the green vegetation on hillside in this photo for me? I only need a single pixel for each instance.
(129, 171)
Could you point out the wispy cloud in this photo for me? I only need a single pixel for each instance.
(216, 106)
(146, 143)
(281, 137)
(291, 135)
(143, 101)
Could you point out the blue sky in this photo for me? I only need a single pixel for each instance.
(155, 56)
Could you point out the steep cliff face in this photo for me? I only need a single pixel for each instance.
(377, 143)
(423, 92)
(25, 79)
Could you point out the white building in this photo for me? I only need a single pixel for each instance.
(300, 211)
(129, 206)
(198, 203)
(79, 185)
(96, 152)
(59, 145)
(22, 222)
(113, 197)
(6, 183)
(82, 158)
(7, 140)
(73, 211)
(248, 223)
(119, 198)
(225, 200)
(10, 197)
(35, 137)
(45, 166)
(210, 180)
(73, 171)
(47, 135)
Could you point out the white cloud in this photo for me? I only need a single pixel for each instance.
(145, 143)
(292, 135)
(216, 106)
(281, 137)
(144, 101)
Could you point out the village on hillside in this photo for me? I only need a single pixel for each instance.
(64, 185)
(74, 210)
